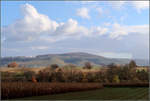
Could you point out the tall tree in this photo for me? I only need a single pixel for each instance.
(87, 65)
(132, 64)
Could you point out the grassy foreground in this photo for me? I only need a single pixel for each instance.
(107, 93)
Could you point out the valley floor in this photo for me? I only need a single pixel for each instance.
(108, 93)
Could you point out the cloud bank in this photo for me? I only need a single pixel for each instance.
(37, 31)
(36, 26)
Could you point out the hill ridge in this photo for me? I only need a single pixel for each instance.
(77, 58)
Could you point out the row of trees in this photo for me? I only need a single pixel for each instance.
(69, 73)
(114, 74)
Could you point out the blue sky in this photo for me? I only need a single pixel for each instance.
(112, 29)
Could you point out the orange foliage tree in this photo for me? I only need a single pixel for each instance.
(34, 79)
(13, 64)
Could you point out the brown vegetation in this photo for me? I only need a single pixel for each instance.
(13, 64)
(87, 65)
(70, 73)
(12, 90)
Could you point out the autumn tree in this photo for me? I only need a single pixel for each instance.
(13, 64)
(34, 79)
(116, 79)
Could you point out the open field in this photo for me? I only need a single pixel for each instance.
(107, 93)
(20, 69)
(37, 69)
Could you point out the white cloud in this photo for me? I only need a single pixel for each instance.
(39, 47)
(83, 12)
(85, 2)
(107, 24)
(34, 20)
(117, 4)
(39, 27)
(118, 30)
(99, 30)
(71, 27)
(35, 26)
(29, 28)
(140, 5)
(42, 34)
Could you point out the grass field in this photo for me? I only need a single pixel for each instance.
(108, 93)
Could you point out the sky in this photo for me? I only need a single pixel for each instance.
(114, 29)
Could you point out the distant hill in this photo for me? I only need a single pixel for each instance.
(77, 58)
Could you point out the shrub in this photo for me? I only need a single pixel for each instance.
(100, 77)
(143, 75)
(78, 76)
(90, 77)
(34, 79)
(116, 79)
(58, 76)
(54, 66)
(87, 65)
(44, 76)
(28, 75)
(70, 75)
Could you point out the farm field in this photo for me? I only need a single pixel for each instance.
(107, 93)
(12, 90)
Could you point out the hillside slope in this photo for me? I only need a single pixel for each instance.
(78, 58)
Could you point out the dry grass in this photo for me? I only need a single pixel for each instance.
(20, 69)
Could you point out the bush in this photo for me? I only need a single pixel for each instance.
(70, 75)
(87, 65)
(57, 76)
(90, 77)
(44, 76)
(78, 77)
(100, 77)
(54, 66)
(28, 75)
(116, 79)
(143, 75)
